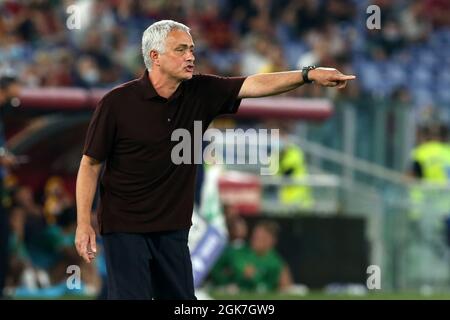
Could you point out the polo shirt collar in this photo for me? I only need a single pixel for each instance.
(149, 92)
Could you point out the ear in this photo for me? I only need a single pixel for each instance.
(154, 56)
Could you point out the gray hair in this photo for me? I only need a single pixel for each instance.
(154, 38)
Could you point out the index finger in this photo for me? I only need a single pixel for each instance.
(92, 246)
(345, 77)
(83, 249)
(88, 256)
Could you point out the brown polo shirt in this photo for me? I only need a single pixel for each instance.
(141, 189)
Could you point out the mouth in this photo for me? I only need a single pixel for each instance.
(189, 68)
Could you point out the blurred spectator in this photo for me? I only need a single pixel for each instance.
(19, 259)
(309, 16)
(256, 266)
(276, 61)
(25, 220)
(324, 48)
(339, 11)
(414, 24)
(431, 165)
(438, 12)
(293, 167)
(57, 199)
(9, 90)
(431, 157)
(218, 31)
(238, 231)
(222, 275)
(255, 55)
(381, 43)
(87, 72)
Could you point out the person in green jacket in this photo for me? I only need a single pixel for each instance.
(255, 266)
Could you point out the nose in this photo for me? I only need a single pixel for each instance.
(190, 56)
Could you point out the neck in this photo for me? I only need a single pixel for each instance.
(262, 252)
(164, 85)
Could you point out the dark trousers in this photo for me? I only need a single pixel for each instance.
(153, 265)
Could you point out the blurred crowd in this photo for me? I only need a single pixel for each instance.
(235, 37)
(406, 59)
(42, 233)
(250, 262)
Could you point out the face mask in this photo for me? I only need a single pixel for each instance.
(90, 76)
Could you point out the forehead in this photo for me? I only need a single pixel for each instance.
(261, 230)
(177, 37)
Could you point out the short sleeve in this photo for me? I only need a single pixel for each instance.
(101, 132)
(220, 94)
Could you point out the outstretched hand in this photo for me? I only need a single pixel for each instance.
(329, 77)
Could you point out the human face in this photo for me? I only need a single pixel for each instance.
(8, 93)
(178, 59)
(261, 241)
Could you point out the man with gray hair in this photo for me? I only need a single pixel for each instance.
(147, 199)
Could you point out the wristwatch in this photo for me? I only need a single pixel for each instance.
(305, 71)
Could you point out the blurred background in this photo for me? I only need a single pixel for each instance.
(364, 171)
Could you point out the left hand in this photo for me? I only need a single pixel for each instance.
(249, 271)
(329, 77)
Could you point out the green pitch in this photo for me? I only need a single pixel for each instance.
(324, 296)
(310, 296)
